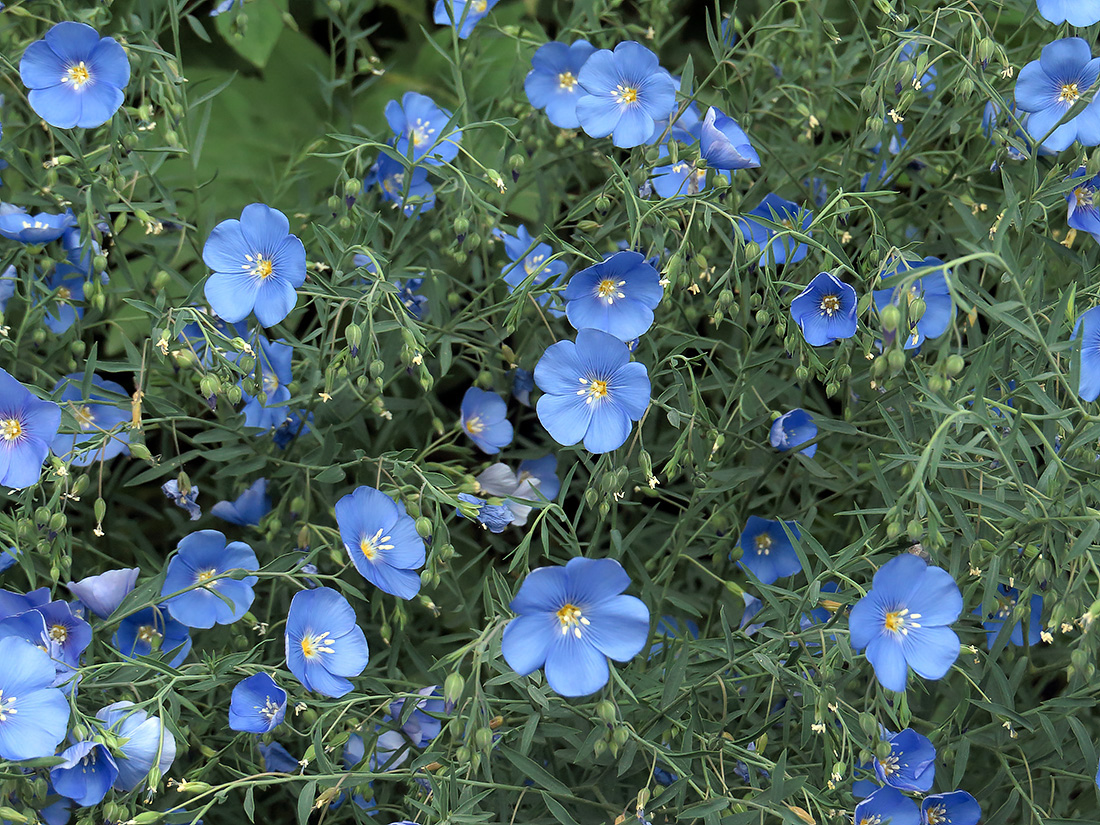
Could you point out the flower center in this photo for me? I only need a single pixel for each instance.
(570, 616)
(205, 576)
(84, 417)
(11, 429)
(625, 95)
(533, 264)
(937, 815)
(475, 425)
(77, 75)
(259, 267)
(900, 621)
(480, 6)
(394, 183)
(567, 81)
(764, 544)
(1070, 93)
(422, 132)
(596, 390)
(1084, 195)
(270, 382)
(830, 304)
(874, 819)
(64, 294)
(372, 546)
(1004, 607)
(609, 290)
(59, 633)
(271, 707)
(889, 765)
(314, 645)
(7, 707)
(148, 634)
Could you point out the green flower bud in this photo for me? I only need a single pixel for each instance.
(955, 365)
(896, 359)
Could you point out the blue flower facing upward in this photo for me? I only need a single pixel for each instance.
(184, 499)
(793, 429)
(903, 621)
(146, 742)
(100, 416)
(931, 289)
(1079, 13)
(418, 125)
(87, 773)
(773, 248)
(616, 296)
(462, 14)
(324, 645)
(33, 714)
(1088, 327)
(592, 391)
(766, 551)
(381, 540)
(956, 808)
(677, 179)
(103, 594)
(75, 76)
(825, 310)
(527, 259)
(17, 225)
(483, 418)
(27, 427)
(258, 705)
(1084, 216)
(1048, 88)
(152, 631)
(887, 806)
(571, 620)
(1007, 602)
(390, 175)
(552, 82)
(626, 93)
(202, 558)
(911, 765)
(258, 266)
(724, 145)
(251, 506)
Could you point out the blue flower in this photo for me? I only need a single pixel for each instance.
(484, 420)
(592, 391)
(17, 225)
(903, 621)
(939, 309)
(224, 6)
(151, 631)
(31, 626)
(272, 373)
(991, 119)
(522, 385)
(276, 758)
(1088, 325)
(626, 93)
(8, 558)
(1006, 608)
(927, 81)
(12, 604)
(793, 429)
(825, 310)
(146, 743)
(958, 807)
(523, 489)
(911, 765)
(684, 128)
(677, 179)
(616, 295)
(820, 614)
(203, 556)
(418, 124)
(251, 506)
(87, 773)
(887, 805)
(724, 145)
(496, 517)
(257, 266)
(571, 620)
(1050, 86)
(774, 249)
(461, 14)
(69, 632)
(530, 259)
(33, 715)
(421, 725)
(542, 473)
(295, 425)
(1079, 13)
(753, 605)
(27, 426)
(75, 77)
(7, 286)
(99, 416)
(669, 627)
(323, 643)
(258, 705)
(1084, 215)
(67, 285)
(390, 173)
(552, 82)
(766, 551)
(381, 540)
(185, 499)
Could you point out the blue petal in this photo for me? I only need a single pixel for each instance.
(619, 627)
(574, 667)
(526, 641)
(888, 660)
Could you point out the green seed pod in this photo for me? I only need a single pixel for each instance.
(914, 529)
(867, 97)
(517, 161)
(354, 335)
(802, 373)
(603, 203)
(353, 186)
(58, 522)
(890, 316)
(985, 49)
(591, 497)
(896, 360)
(936, 384)
(955, 365)
(893, 530)
(882, 750)
(605, 710)
(620, 736)
(916, 310)
(599, 747)
(762, 317)
(831, 389)
(334, 202)
(868, 724)
(453, 687)
(141, 452)
(483, 738)
(424, 526)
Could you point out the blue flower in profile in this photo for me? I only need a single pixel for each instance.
(766, 551)
(955, 808)
(145, 742)
(724, 145)
(204, 556)
(324, 645)
(1007, 601)
(1084, 216)
(27, 427)
(67, 287)
(418, 125)
(677, 179)
(258, 266)
(8, 558)
(1088, 326)
(484, 419)
(1048, 88)
(616, 295)
(258, 705)
(825, 310)
(381, 540)
(151, 631)
(87, 773)
(462, 14)
(98, 416)
(592, 391)
(296, 424)
(793, 429)
(911, 765)
(184, 499)
(535, 481)
(17, 225)
(571, 620)
(33, 715)
(542, 473)
(1079, 13)
(626, 93)
(272, 372)
(75, 76)
(528, 258)
(552, 82)
(932, 289)
(903, 621)
(821, 614)
(389, 174)
(495, 517)
(251, 506)
(887, 805)
(684, 127)
(773, 248)
(753, 605)
(276, 758)
(523, 384)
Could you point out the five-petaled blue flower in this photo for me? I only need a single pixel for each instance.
(825, 310)
(552, 82)
(677, 179)
(592, 391)
(1088, 327)
(793, 429)
(887, 805)
(27, 427)
(151, 631)
(932, 289)
(911, 765)
(324, 645)
(98, 417)
(103, 594)
(766, 551)
(462, 14)
(1007, 600)
(202, 558)
(956, 808)
(527, 259)
(249, 507)
(67, 285)
(723, 144)
(903, 621)
(484, 419)
(258, 705)
(616, 295)
(75, 76)
(33, 715)
(418, 125)
(776, 249)
(1050, 86)
(381, 540)
(145, 742)
(1084, 216)
(17, 225)
(87, 773)
(571, 620)
(1079, 13)
(390, 175)
(257, 266)
(626, 93)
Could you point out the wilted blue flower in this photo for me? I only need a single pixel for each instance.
(677, 179)
(592, 391)
(1088, 326)
(774, 249)
(1006, 608)
(932, 289)
(187, 500)
(323, 643)
(522, 488)
(462, 14)
(257, 266)
(528, 258)
(295, 425)
(484, 419)
(552, 82)
(418, 123)
(99, 415)
(766, 551)
(903, 621)
(202, 557)
(251, 506)
(571, 620)
(825, 310)
(381, 540)
(1084, 215)
(793, 429)
(522, 385)
(146, 742)
(258, 705)
(1050, 86)
(1079, 13)
(66, 284)
(87, 773)
(272, 372)
(27, 426)
(887, 805)
(17, 225)
(616, 295)
(724, 145)
(911, 765)
(277, 758)
(153, 630)
(496, 517)
(958, 807)
(75, 77)
(33, 715)
(626, 92)
(389, 174)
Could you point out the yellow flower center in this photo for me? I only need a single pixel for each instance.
(480, 6)
(596, 390)
(1070, 93)
(371, 546)
(874, 819)
(763, 544)
(533, 264)
(11, 429)
(395, 183)
(567, 81)
(148, 634)
(64, 294)
(259, 266)
(609, 290)
(421, 133)
(475, 425)
(570, 617)
(1083, 196)
(889, 765)
(900, 621)
(314, 645)
(937, 815)
(59, 633)
(625, 95)
(206, 575)
(77, 75)
(830, 304)
(84, 417)
(7, 707)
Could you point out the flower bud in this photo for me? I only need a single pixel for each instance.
(896, 360)
(606, 711)
(955, 365)
(916, 309)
